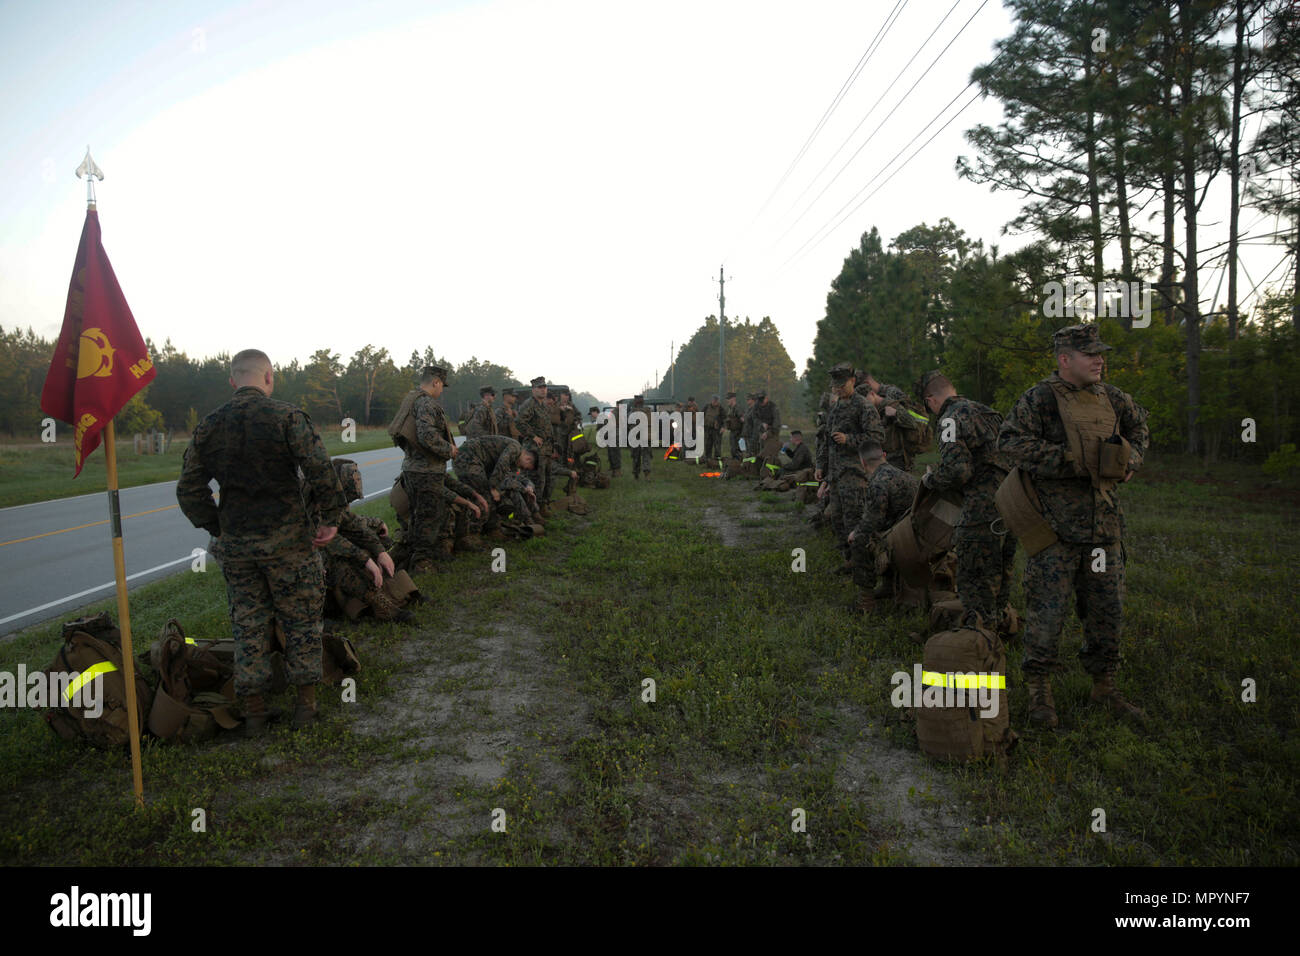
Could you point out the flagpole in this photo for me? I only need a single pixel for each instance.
(123, 610)
(93, 172)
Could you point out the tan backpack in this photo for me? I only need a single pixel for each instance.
(92, 650)
(963, 667)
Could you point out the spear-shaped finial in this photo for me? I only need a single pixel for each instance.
(91, 172)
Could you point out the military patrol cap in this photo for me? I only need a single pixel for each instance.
(437, 370)
(594, 408)
(731, 395)
(487, 390)
(842, 372)
(538, 382)
(1081, 338)
(760, 394)
(638, 398)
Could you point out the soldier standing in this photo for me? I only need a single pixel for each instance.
(854, 429)
(263, 534)
(1077, 439)
(640, 451)
(614, 451)
(714, 416)
(424, 472)
(970, 463)
(734, 424)
(535, 431)
(507, 414)
(484, 419)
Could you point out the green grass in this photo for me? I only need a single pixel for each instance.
(36, 472)
(524, 691)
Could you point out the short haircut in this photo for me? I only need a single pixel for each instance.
(249, 362)
(936, 385)
(796, 432)
(428, 375)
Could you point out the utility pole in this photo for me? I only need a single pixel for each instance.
(672, 369)
(722, 329)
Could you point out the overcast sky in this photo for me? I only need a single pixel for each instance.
(549, 184)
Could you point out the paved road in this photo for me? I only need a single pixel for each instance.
(56, 556)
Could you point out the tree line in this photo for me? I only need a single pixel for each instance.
(754, 359)
(367, 388)
(1117, 120)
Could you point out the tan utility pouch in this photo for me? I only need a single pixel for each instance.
(1017, 502)
(402, 427)
(1113, 457)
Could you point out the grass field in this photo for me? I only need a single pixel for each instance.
(523, 692)
(36, 472)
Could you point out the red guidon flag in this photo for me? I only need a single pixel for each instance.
(101, 359)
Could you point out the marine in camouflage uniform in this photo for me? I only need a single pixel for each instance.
(491, 466)
(536, 433)
(1085, 513)
(642, 456)
(734, 422)
(852, 429)
(749, 428)
(614, 450)
(889, 494)
(483, 421)
(715, 416)
(263, 532)
(507, 414)
(970, 463)
(424, 474)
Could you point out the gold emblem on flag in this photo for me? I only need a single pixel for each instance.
(95, 354)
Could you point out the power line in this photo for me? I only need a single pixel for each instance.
(828, 230)
(826, 115)
(879, 100)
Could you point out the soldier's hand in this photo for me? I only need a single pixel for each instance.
(375, 574)
(818, 474)
(890, 411)
(324, 535)
(852, 534)
(482, 505)
(496, 495)
(823, 490)
(1129, 475)
(839, 437)
(454, 449)
(386, 562)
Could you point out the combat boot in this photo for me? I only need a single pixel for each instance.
(305, 712)
(257, 716)
(471, 542)
(1042, 709)
(1105, 694)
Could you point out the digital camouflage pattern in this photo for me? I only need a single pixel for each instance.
(972, 464)
(482, 421)
(424, 473)
(1033, 438)
(888, 495)
(535, 432)
(857, 419)
(254, 446)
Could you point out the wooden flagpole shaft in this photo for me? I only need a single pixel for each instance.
(123, 612)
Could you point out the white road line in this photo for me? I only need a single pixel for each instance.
(81, 594)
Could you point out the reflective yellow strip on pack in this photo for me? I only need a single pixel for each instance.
(577, 436)
(747, 460)
(774, 468)
(969, 681)
(103, 667)
(189, 640)
(809, 484)
(923, 419)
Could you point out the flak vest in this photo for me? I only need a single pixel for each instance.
(1092, 435)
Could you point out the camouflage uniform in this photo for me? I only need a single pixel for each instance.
(614, 451)
(801, 458)
(536, 432)
(492, 462)
(971, 464)
(424, 473)
(1033, 438)
(507, 419)
(735, 423)
(840, 465)
(482, 422)
(262, 532)
(749, 431)
(714, 416)
(889, 494)
(642, 456)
